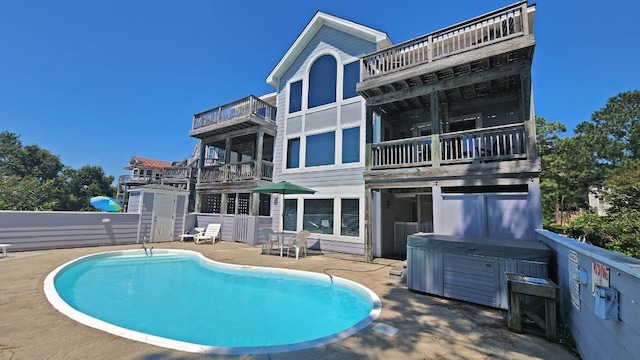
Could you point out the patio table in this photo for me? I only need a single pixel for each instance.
(281, 235)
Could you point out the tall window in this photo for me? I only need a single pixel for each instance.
(264, 209)
(318, 216)
(351, 145)
(293, 153)
(243, 203)
(231, 203)
(290, 214)
(350, 217)
(322, 81)
(295, 96)
(351, 78)
(321, 149)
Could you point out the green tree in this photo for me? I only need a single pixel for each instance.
(31, 178)
(547, 134)
(27, 194)
(82, 184)
(620, 229)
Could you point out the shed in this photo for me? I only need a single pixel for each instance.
(162, 210)
(471, 269)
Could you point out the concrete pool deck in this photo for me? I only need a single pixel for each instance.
(429, 327)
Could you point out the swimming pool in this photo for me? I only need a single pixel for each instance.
(181, 300)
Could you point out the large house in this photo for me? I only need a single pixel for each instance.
(435, 134)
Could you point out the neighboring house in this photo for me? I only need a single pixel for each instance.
(597, 201)
(144, 171)
(436, 134)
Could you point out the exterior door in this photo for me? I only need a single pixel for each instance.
(164, 209)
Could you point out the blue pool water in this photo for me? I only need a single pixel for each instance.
(181, 296)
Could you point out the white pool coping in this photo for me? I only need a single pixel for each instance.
(58, 303)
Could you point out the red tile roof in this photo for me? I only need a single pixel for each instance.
(140, 161)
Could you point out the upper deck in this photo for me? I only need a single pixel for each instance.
(502, 36)
(241, 114)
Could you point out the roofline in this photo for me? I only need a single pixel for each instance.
(319, 19)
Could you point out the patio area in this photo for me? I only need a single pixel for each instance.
(429, 327)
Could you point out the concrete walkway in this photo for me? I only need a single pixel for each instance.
(430, 327)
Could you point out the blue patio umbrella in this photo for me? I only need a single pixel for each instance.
(105, 203)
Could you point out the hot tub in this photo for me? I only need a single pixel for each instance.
(471, 269)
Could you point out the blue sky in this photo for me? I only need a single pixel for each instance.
(97, 82)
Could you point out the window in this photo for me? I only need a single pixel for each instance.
(211, 203)
(293, 153)
(351, 78)
(351, 145)
(322, 81)
(295, 96)
(243, 203)
(318, 216)
(350, 217)
(264, 208)
(231, 203)
(321, 149)
(290, 214)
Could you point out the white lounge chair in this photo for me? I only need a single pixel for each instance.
(211, 233)
(299, 243)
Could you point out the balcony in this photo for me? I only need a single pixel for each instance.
(130, 180)
(243, 171)
(241, 114)
(479, 146)
(173, 174)
(500, 26)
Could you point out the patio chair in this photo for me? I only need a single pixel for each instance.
(269, 240)
(299, 242)
(211, 232)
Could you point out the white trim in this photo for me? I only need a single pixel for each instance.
(319, 19)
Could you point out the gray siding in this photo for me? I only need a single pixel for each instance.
(134, 203)
(26, 230)
(597, 338)
(179, 218)
(146, 215)
(498, 215)
(348, 47)
(335, 246)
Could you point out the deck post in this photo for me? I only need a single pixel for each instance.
(435, 130)
(528, 116)
(258, 153)
(368, 225)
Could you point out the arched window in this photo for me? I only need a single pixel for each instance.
(322, 81)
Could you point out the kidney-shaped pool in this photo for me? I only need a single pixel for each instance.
(181, 300)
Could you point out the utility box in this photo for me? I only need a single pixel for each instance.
(606, 303)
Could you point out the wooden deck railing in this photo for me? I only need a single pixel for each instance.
(236, 172)
(504, 142)
(266, 170)
(401, 153)
(178, 173)
(494, 143)
(137, 179)
(249, 105)
(499, 25)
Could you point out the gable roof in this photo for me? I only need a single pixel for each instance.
(318, 20)
(140, 161)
